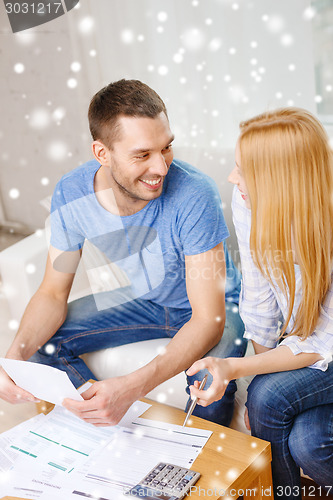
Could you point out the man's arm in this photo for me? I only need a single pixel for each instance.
(43, 316)
(107, 401)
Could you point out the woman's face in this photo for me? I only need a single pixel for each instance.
(236, 177)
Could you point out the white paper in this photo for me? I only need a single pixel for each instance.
(59, 456)
(9, 457)
(84, 387)
(43, 381)
(23, 484)
(61, 441)
(135, 450)
(36, 451)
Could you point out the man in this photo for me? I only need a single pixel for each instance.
(161, 221)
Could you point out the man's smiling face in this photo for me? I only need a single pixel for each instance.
(140, 159)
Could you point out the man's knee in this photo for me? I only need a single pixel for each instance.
(52, 349)
(42, 356)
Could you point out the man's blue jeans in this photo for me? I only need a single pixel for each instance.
(294, 411)
(87, 329)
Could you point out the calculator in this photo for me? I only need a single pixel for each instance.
(165, 482)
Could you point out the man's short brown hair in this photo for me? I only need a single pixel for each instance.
(124, 97)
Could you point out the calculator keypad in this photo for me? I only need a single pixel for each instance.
(170, 479)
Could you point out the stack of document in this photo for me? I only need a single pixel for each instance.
(59, 456)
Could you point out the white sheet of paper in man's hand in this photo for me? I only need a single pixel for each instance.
(43, 381)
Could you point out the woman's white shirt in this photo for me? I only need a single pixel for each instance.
(263, 305)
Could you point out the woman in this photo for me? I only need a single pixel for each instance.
(283, 214)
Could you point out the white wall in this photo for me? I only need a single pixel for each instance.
(198, 54)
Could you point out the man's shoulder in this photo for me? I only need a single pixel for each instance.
(79, 181)
(82, 172)
(185, 180)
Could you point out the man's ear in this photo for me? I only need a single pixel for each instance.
(101, 153)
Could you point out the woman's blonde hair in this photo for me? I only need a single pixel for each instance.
(287, 165)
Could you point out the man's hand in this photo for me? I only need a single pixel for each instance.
(106, 402)
(221, 370)
(11, 393)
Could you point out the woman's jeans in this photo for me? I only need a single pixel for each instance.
(294, 411)
(87, 329)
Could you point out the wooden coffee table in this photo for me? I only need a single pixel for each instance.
(232, 464)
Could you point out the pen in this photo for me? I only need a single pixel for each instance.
(194, 402)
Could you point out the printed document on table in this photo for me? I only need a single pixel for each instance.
(43, 453)
(126, 456)
(61, 440)
(8, 456)
(135, 450)
(43, 381)
(28, 487)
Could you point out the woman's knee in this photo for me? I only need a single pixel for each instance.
(267, 404)
(267, 391)
(311, 443)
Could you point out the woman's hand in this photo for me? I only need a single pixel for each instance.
(222, 372)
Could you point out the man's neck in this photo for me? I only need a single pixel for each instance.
(112, 198)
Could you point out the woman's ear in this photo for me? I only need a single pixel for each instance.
(101, 153)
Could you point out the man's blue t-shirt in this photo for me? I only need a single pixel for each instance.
(150, 245)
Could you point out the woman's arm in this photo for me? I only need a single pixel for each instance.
(223, 370)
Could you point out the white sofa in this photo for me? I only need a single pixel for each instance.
(21, 270)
